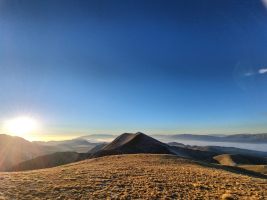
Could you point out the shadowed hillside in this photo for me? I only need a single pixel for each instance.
(251, 163)
(14, 150)
(236, 159)
(129, 143)
(256, 168)
(51, 160)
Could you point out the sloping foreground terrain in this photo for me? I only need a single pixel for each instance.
(135, 176)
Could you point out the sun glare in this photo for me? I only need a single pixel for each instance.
(20, 126)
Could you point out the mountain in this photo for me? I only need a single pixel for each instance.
(239, 138)
(193, 154)
(98, 138)
(78, 145)
(129, 143)
(247, 138)
(47, 161)
(14, 150)
(229, 150)
(221, 150)
(194, 137)
(97, 148)
(126, 143)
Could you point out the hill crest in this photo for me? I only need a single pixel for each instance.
(129, 143)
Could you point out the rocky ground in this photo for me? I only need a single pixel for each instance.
(142, 176)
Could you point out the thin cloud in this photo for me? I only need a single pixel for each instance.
(249, 74)
(262, 71)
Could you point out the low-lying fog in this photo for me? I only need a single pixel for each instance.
(251, 146)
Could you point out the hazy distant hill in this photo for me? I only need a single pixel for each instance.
(98, 138)
(242, 138)
(97, 148)
(14, 150)
(221, 150)
(237, 138)
(51, 160)
(78, 145)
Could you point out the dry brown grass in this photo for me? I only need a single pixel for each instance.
(142, 176)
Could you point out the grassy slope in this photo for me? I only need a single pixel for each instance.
(46, 161)
(256, 168)
(142, 176)
(254, 164)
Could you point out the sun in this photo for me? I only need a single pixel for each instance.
(20, 126)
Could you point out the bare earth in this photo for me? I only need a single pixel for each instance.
(143, 176)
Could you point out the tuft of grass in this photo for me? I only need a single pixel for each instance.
(228, 196)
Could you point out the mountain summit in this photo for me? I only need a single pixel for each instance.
(129, 143)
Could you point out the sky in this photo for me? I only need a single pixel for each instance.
(160, 67)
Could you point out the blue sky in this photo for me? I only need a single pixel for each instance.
(154, 66)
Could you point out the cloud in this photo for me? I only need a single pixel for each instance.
(249, 74)
(253, 73)
(262, 71)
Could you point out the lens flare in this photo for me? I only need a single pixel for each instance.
(20, 126)
(264, 3)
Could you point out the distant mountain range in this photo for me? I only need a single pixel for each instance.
(78, 145)
(98, 138)
(14, 150)
(50, 160)
(238, 138)
(129, 143)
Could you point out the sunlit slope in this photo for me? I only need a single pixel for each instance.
(236, 160)
(143, 176)
(256, 164)
(14, 150)
(256, 168)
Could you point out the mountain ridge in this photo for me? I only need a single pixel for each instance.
(239, 138)
(138, 143)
